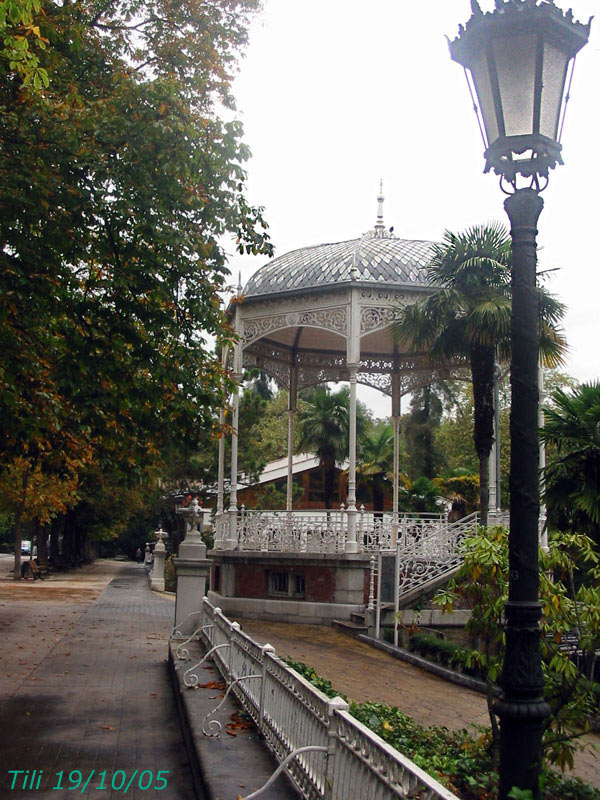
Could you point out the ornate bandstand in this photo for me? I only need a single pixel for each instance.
(317, 315)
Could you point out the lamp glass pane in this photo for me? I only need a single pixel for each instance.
(483, 86)
(553, 85)
(515, 65)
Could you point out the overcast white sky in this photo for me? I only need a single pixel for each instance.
(335, 94)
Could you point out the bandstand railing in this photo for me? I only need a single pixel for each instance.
(327, 753)
(325, 531)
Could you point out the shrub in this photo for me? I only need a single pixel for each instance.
(458, 759)
(441, 651)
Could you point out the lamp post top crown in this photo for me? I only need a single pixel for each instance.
(508, 15)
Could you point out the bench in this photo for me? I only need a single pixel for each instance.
(31, 569)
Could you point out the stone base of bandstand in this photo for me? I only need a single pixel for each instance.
(334, 585)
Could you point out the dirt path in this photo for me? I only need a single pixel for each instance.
(368, 675)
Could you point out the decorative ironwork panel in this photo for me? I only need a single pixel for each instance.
(292, 532)
(429, 550)
(333, 319)
(377, 380)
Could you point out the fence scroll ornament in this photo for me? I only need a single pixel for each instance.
(326, 752)
(181, 650)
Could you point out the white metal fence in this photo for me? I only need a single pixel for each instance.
(331, 755)
(322, 531)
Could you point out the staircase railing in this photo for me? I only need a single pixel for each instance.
(429, 554)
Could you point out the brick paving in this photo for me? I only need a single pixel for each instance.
(84, 686)
(368, 675)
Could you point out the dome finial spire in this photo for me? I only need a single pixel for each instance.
(379, 226)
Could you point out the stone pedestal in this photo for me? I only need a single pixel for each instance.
(157, 578)
(191, 571)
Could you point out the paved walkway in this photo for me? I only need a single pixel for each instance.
(368, 675)
(84, 687)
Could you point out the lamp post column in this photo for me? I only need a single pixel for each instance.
(543, 531)
(521, 708)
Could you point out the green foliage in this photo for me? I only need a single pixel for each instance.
(322, 684)
(22, 42)
(443, 652)
(572, 477)
(482, 585)
(375, 469)
(462, 491)
(324, 430)
(421, 495)
(420, 425)
(118, 184)
(458, 759)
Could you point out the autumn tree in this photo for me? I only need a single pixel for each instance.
(118, 183)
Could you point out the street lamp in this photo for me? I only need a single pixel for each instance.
(519, 62)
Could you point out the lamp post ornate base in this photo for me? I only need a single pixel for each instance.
(521, 709)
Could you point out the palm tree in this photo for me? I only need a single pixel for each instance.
(572, 478)
(324, 431)
(377, 463)
(467, 319)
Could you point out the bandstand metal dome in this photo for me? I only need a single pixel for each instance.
(381, 260)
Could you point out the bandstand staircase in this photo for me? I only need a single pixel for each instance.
(429, 556)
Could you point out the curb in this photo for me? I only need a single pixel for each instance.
(226, 767)
(449, 675)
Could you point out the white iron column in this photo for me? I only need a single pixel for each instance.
(494, 458)
(220, 485)
(352, 363)
(292, 406)
(232, 540)
(351, 542)
(396, 468)
(219, 518)
(492, 501)
(542, 392)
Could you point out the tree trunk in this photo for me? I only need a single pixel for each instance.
(17, 569)
(35, 539)
(18, 529)
(328, 480)
(42, 544)
(55, 529)
(67, 551)
(378, 498)
(482, 373)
